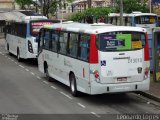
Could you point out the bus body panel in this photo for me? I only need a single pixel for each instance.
(119, 65)
(111, 85)
(60, 67)
(98, 88)
(16, 43)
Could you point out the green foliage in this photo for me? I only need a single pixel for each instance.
(132, 5)
(91, 13)
(22, 3)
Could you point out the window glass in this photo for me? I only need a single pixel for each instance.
(120, 41)
(40, 42)
(46, 39)
(63, 42)
(84, 47)
(145, 19)
(54, 40)
(73, 44)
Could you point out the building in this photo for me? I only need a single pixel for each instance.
(7, 5)
(79, 5)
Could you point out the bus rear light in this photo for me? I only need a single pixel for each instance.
(146, 73)
(30, 48)
(146, 49)
(96, 75)
(93, 58)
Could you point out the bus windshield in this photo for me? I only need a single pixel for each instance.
(145, 19)
(35, 26)
(120, 41)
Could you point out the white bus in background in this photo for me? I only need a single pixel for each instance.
(21, 34)
(95, 59)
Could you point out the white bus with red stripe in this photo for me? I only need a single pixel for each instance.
(95, 59)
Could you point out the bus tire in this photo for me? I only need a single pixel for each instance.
(18, 56)
(73, 86)
(47, 73)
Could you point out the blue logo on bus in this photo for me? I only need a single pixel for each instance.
(103, 63)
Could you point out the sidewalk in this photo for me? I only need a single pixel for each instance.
(154, 91)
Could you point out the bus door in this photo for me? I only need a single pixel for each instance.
(121, 56)
(156, 54)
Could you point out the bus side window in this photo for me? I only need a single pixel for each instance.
(73, 44)
(84, 47)
(63, 42)
(40, 41)
(54, 40)
(46, 39)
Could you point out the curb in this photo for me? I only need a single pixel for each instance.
(148, 95)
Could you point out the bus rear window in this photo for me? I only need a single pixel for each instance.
(145, 19)
(120, 41)
(35, 26)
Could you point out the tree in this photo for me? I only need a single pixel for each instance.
(132, 5)
(91, 14)
(50, 6)
(22, 3)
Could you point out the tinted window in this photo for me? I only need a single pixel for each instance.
(73, 45)
(35, 26)
(63, 42)
(54, 40)
(145, 19)
(46, 39)
(84, 47)
(118, 41)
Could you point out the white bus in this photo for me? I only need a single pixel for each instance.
(95, 59)
(21, 34)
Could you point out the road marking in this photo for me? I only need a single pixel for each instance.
(9, 58)
(95, 114)
(21, 66)
(2, 54)
(66, 95)
(32, 73)
(53, 87)
(45, 82)
(16, 63)
(81, 105)
(27, 70)
(12, 60)
(38, 77)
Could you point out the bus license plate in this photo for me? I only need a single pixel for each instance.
(122, 79)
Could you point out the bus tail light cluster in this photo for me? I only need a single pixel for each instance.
(30, 48)
(146, 49)
(146, 73)
(96, 75)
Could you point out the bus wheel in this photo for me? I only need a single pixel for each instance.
(18, 56)
(73, 85)
(47, 74)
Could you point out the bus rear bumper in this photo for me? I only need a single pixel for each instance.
(98, 88)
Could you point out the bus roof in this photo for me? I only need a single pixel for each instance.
(131, 14)
(91, 28)
(21, 16)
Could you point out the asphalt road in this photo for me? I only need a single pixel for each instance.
(24, 90)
